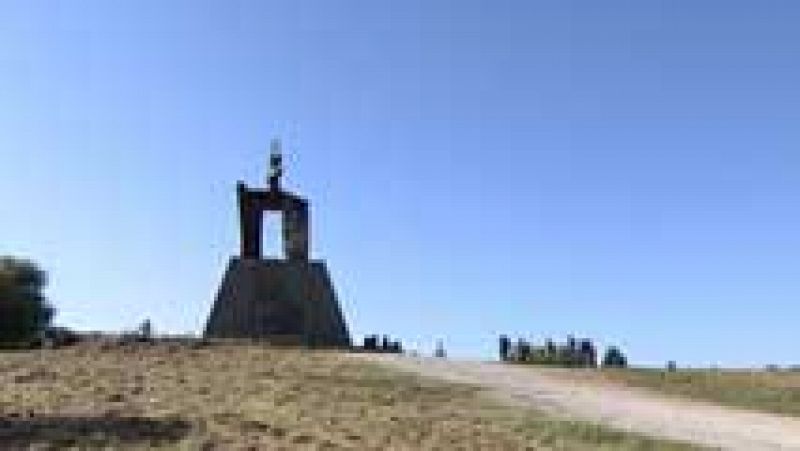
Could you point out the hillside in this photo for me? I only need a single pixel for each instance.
(767, 391)
(585, 394)
(239, 396)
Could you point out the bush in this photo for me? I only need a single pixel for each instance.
(614, 358)
(24, 311)
(56, 337)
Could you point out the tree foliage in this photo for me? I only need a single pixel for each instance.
(24, 310)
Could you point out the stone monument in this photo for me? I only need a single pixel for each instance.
(289, 300)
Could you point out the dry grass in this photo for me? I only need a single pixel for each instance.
(774, 392)
(240, 397)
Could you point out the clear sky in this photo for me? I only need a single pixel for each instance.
(622, 170)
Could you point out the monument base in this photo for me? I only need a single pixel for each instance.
(278, 300)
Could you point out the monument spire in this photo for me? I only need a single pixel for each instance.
(288, 300)
(275, 165)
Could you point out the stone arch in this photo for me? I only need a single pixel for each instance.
(253, 203)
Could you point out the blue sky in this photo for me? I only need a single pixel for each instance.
(621, 170)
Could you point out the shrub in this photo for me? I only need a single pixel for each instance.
(24, 311)
(56, 337)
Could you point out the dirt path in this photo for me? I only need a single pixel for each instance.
(624, 408)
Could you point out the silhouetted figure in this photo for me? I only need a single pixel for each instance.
(371, 343)
(550, 347)
(146, 330)
(505, 346)
(614, 358)
(397, 347)
(588, 355)
(440, 352)
(523, 350)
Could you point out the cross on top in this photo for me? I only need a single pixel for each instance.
(275, 165)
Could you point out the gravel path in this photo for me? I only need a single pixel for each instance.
(625, 408)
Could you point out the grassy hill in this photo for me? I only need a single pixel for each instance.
(240, 396)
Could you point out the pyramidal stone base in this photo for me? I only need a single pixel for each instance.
(281, 301)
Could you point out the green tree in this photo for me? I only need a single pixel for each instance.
(24, 310)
